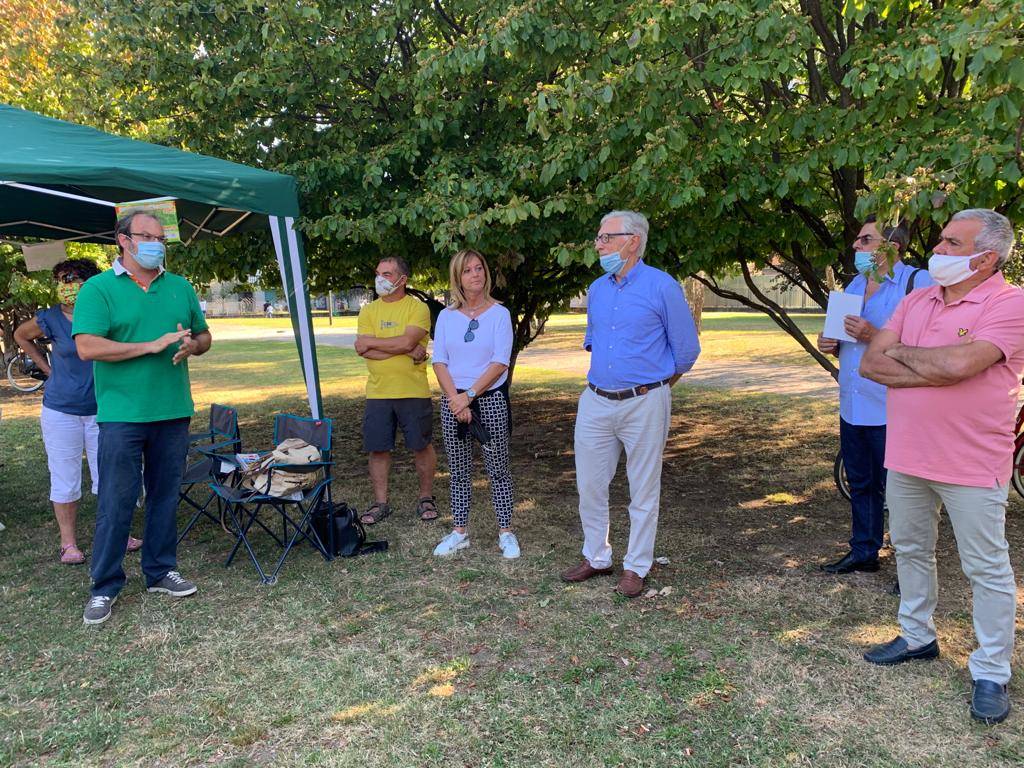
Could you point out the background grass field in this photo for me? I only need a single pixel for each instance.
(750, 657)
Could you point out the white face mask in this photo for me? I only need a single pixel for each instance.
(950, 270)
(384, 286)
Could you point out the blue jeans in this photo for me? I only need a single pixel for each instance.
(863, 451)
(122, 447)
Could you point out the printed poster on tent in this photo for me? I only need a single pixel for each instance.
(163, 208)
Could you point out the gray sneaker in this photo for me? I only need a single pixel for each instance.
(97, 610)
(173, 585)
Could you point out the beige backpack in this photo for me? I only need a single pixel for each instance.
(284, 482)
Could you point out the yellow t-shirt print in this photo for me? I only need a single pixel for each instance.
(398, 376)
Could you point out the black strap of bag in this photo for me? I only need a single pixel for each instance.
(910, 282)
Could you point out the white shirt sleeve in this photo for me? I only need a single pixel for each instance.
(440, 341)
(502, 352)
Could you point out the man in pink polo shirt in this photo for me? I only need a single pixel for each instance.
(952, 356)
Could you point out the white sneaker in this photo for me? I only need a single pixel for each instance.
(451, 544)
(509, 545)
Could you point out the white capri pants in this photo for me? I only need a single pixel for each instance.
(66, 437)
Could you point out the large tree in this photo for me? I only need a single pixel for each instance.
(406, 129)
(759, 133)
(756, 133)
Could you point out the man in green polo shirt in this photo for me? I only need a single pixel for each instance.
(139, 324)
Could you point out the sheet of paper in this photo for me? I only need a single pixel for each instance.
(839, 306)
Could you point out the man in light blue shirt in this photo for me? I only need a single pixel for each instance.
(862, 401)
(641, 338)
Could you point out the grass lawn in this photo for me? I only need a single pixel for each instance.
(750, 656)
(748, 336)
(281, 322)
(725, 335)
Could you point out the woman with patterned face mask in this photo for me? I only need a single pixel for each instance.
(68, 416)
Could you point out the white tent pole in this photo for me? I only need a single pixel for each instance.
(55, 192)
(288, 262)
(305, 319)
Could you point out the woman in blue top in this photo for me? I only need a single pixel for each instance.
(68, 416)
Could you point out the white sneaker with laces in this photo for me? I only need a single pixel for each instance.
(509, 545)
(451, 544)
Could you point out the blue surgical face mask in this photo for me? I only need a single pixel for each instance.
(611, 263)
(864, 261)
(150, 255)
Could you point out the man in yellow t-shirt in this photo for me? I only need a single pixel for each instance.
(392, 338)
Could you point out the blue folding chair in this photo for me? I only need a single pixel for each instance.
(207, 452)
(243, 505)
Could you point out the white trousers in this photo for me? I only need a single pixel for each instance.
(65, 438)
(978, 516)
(603, 428)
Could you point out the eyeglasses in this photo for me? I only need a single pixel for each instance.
(865, 239)
(607, 237)
(473, 325)
(148, 238)
(69, 279)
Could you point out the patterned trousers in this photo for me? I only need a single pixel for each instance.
(494, 414)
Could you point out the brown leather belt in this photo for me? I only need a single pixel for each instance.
(625, 394)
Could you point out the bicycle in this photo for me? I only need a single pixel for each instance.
(1016, 477)
(839, 475)
(22, 371)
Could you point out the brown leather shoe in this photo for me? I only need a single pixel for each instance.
(630, 584)
(584, 571)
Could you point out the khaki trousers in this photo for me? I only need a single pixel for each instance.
(603, 428)
(978, 516)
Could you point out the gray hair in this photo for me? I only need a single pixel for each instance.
(996, 233)
(633, 222)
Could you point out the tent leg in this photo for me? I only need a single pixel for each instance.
(291, 261)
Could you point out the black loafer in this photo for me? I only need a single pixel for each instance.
(990, 702)
(849, 564)
(896, 651)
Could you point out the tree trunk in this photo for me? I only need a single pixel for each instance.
(695, 298)
(777, 313)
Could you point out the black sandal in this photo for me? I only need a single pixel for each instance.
(426, 508)
(375, 513)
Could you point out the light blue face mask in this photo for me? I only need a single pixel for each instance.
(150, 255)
(611, 263)
(864, 261)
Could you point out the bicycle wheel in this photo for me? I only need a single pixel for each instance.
(839, 475)
(20, 378)
(1018, 470)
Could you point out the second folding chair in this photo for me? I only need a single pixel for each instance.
(206, 455)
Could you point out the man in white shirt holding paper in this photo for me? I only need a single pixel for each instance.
(862, 401)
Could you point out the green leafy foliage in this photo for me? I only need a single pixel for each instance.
(755, 134)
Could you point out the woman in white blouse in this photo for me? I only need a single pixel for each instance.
(472, 349)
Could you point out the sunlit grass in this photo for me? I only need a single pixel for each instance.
(401, 659)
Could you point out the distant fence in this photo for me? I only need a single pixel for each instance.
(243, 304)
(787, 298)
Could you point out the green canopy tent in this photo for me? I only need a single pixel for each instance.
(61, 181)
